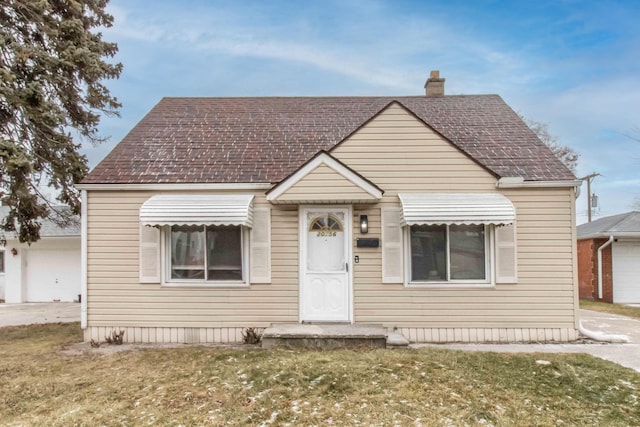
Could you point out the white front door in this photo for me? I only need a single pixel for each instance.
(325, 250)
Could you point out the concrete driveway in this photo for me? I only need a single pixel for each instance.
(39, 312)
(611, 325)
(601, 325)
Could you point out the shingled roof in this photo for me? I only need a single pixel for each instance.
(616, 225)
(62, 224)
(263, 140)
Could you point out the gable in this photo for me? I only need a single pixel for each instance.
(399, 152)
(324, 180)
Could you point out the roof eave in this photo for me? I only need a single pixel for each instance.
(615, 234)
(246, 186)
(519, 182)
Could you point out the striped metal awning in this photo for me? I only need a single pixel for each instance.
(456, 208)
(190, 209)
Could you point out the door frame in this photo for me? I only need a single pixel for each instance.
(302, 228)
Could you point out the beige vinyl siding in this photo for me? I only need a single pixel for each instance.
(323, 184)
(542, 298)
(399, 153)
(116, 298)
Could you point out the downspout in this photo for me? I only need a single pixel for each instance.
(604, 245)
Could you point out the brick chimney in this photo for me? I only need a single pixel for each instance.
(434, 85)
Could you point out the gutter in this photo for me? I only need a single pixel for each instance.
(604, 245)
(519, 182)
(245, 186)
(619, 235)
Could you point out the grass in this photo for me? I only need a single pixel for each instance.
(621, 309)
(42, 385)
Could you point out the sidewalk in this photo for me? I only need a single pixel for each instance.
(602, 324)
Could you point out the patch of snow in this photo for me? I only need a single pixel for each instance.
(603, 336)
(317, 380)
(73, 411)
(627, 384)
(270, 421)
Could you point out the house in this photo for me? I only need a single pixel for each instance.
(47, 270)
(441, 217)
(609, 259)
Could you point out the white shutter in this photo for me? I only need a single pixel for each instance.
(506, 254)
(260, 246)
(149, 254)
(392, 246)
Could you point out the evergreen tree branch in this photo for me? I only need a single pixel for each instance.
(53, 62)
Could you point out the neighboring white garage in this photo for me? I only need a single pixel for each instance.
(47, 270)
(626, 272)
(619, 236)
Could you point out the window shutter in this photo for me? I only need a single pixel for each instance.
(260, 246)
(506, 254)
(149, 254)
(392, 249)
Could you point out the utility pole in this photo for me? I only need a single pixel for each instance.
(589, 178)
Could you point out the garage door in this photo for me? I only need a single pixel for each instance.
(53, 275)
(626, 272)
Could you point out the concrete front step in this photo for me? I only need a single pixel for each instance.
(324, 336)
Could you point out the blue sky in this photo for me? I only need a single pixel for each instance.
(572, 64)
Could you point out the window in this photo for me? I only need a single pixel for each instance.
(325, 223)
(1, 261)
(444, 253)
(421, 253)
(206, 253)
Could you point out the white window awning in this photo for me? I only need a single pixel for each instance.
(456, 208)
(190, 209)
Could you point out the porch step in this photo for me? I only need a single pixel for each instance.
(324, 336)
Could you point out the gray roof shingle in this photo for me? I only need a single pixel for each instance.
(50, 228)
(263, 140)
(611, 225)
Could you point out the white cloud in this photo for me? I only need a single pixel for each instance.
(606, 104)
(125, 28)
(379, 59)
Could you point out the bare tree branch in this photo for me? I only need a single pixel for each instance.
(566, 154)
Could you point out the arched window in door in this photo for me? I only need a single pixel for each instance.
(326, 222)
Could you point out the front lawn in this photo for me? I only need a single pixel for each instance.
(42, 385)
(621, 309)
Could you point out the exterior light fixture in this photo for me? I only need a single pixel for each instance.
(14, 251)
(364, 224)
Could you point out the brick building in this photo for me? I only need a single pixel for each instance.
(610, 245)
